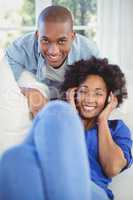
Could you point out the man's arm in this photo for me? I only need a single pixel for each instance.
(15, 57)
(22, 54)
(37, 93)
(21, 58)
(36, 101)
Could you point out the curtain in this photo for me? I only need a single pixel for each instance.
(115, 41)
(115, 30)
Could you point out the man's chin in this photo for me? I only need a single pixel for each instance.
(55, 65)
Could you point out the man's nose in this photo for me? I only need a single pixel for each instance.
(53, 49)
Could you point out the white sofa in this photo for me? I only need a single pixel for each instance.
(14, 113)
(15, 118)
(122, 185)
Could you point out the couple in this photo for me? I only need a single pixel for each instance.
(52, 163)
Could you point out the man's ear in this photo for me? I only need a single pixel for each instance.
(73, 34)
(37, 34)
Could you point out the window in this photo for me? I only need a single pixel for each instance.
(84, 12)
(19, 17)
(16, 17)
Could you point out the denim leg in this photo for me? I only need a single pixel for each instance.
(61, 149)
(97, 192)
(52, 164)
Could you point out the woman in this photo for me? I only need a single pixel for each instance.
(95, 88)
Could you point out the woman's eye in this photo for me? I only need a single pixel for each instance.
(99, 94)
(83, 92)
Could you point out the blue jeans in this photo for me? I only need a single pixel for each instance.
(52, 164)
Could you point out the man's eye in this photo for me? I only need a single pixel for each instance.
(44, 41)
(61, 42)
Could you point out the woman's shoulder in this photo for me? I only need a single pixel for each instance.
(118, 126)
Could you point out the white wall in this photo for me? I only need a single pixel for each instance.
(115, 41)
(40, 5)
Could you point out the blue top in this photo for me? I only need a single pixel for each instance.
(24, 54)
(122, 137)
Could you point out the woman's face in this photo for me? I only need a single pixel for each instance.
(91, 97)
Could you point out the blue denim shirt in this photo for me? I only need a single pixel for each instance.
(24, 54)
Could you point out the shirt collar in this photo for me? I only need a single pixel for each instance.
(39, 50)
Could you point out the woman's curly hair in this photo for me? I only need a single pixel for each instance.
(111, 74)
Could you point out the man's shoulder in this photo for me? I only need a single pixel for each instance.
(26, 45)
(27, 39)
(81, 37)
(83, 40)
(82, 48)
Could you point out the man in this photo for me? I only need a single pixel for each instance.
(47, 52)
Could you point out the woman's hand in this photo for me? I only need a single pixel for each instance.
(112, 104)
(71, 95)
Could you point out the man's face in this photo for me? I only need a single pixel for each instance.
(55, 41)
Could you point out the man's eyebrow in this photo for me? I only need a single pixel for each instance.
(44, 37)
(58, 39)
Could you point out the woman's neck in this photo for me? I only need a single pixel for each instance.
(88, 123)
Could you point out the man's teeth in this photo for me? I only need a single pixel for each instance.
(53, 57)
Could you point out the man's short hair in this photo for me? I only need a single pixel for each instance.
(56, 14)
